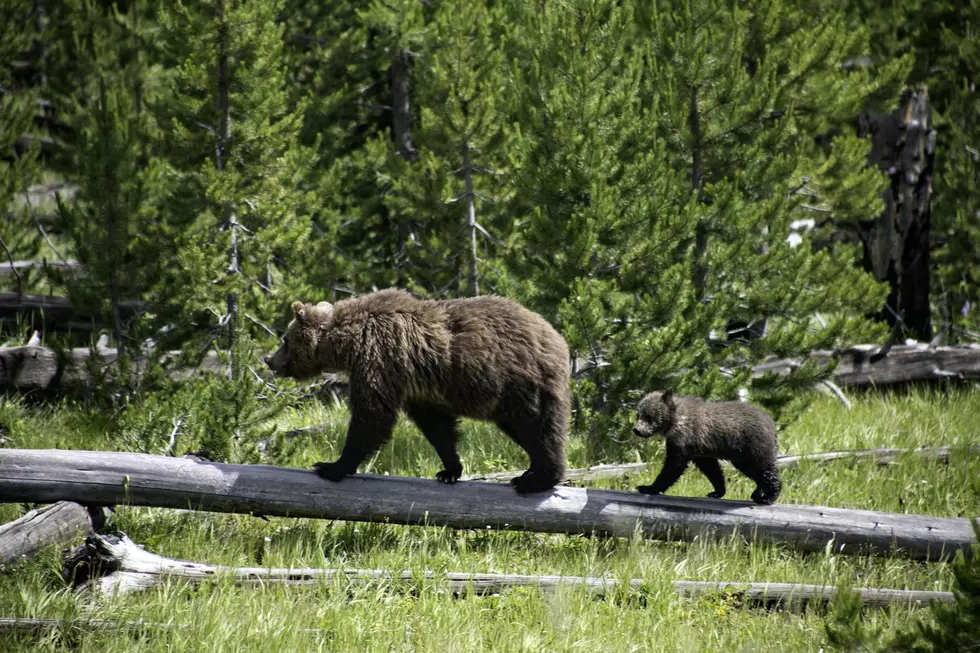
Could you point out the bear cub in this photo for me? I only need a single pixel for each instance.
(486, 358)
(704, 432)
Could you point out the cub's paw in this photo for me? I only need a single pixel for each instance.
(330, 471)
(448, 477)
(647, 489)
(716, 495)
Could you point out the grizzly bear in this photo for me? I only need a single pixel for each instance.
(703, 432)
(486, 358)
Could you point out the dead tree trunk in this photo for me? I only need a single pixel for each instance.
(116, 565)
(896, 244)
(110, 478)
(58, 523)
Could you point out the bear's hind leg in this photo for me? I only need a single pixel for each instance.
(766, 479)
(439, 428)
(768, 486)
(543, 438)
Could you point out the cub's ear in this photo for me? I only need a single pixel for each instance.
(299, 309)
(668, 396)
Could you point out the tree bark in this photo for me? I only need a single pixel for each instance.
(896, 244)
(471, 221)
(697, 182)
(57, 523)
(100, 478)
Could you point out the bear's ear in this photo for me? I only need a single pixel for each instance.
(299, 309)
(668, 396)
(321, 313)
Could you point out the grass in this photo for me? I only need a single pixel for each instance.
(421, 616)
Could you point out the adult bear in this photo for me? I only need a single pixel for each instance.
(486, 358)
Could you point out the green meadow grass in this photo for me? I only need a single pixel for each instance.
(422, 616)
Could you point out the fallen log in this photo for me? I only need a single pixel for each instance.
(57, 523)
(132, 568)
(12, 268)
(32, 368)
(55, 313)
(107, 479)
(904, 363)
(882, 456)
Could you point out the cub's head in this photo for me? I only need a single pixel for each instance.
(655, 414)
(297, 356)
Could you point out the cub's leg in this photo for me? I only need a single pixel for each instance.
(675, 464)
(766, 479)
(710, 468)
(439, 428)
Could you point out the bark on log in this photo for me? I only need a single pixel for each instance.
(904, 363)
(9, 269)
(100, 478)
(33, 369)
(54, 313)
(57, 523)
(882, 456)
(132, 568)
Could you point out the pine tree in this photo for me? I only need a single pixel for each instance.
(111, 222)
(459, 137)
(18, 164)
(237, 207)
(957, 204)
(668, 156)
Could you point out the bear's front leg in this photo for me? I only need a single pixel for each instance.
(674, 466)
(370, 428)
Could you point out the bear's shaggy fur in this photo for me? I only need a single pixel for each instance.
(703, 432)
(484, 357)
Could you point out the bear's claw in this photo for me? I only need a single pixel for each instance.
(448, 477)
(529, 483)
(647, 489)
(715, 495)
(330, 471)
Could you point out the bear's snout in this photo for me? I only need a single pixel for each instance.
(267, 360)
(636, 431)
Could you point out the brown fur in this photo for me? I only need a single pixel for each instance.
(486, 358)
(702, 432)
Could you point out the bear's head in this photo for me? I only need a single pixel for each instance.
(655, 414)
(297, 357)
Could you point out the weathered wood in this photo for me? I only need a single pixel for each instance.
(57, 523)
(897, 243)
(903, 364)
(100, 478)
(9, 268)
(33, 368)
(55, 313)
(882, 456)
(132, 568)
